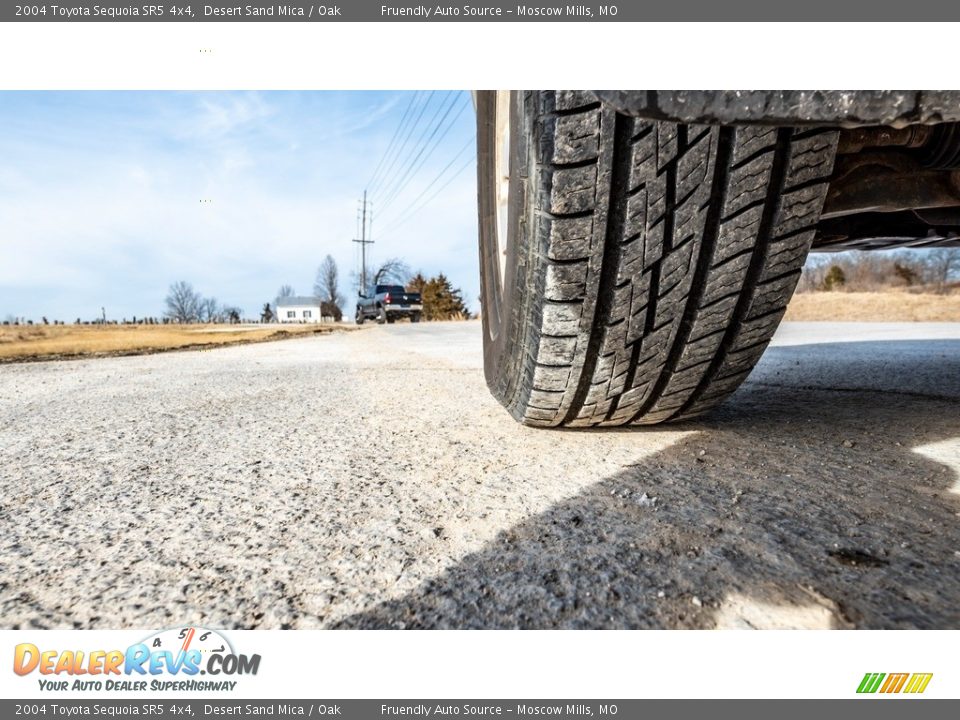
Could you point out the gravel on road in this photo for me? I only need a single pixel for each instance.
(368, 479)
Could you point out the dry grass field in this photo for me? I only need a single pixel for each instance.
(51, 342)
(48, 342)
(888, 306)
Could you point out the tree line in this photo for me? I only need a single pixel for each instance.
(183, 304)
(935, 270)
(186, 305)
(441, 300)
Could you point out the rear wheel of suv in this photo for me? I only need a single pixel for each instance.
(633, 271)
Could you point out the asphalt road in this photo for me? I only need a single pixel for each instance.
(368, 479)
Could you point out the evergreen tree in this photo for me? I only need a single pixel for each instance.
(417, 283)
(442, 301)
(835, 278)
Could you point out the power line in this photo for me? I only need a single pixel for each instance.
(470, 143)
(403, 145)
(398, 166)
(430, 199)
(393, 139)
(387, 190)
(417, 107)
(424, 154)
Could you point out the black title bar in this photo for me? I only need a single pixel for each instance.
(483, 11)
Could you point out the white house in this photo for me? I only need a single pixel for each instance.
(300, 310)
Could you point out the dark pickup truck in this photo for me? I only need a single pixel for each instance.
(386, 303)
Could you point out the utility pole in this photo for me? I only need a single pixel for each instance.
(363, 244)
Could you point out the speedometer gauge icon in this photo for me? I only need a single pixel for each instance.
(182, 639)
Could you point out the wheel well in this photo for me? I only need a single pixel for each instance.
(893, 187)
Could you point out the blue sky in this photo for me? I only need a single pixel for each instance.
(100, 195)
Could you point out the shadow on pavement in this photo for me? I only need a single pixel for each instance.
(802, 502)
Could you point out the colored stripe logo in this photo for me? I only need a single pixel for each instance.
(913, 683)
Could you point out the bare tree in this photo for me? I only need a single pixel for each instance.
(285, 291)
(183, 303)
(393, 270)
(942, 264)
(209, 310)
(327, 283)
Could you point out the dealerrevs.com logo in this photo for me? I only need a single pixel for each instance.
(891, 683)
(167, 660)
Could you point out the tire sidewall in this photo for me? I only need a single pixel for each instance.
(507, 308)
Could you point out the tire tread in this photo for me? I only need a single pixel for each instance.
(670, 254)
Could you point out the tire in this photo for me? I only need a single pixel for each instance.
(647, 264)
(381, 316)
(360, 318)
(415, 318)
